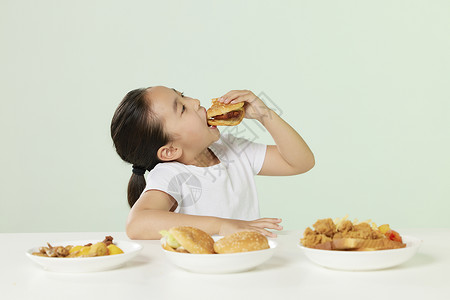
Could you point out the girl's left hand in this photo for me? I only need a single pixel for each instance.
(254, 107)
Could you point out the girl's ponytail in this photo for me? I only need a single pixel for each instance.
(137, 134)
(135, 187)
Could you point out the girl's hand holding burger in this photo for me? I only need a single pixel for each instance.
(254, 107)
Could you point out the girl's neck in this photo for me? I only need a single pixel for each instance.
(206, 158)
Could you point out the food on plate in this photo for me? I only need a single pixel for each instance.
(241, 241)
(188, 239)
(342, 234)
(113, 249)
(220, 114)
(106, 247)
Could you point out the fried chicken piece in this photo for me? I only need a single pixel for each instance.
(338, 235)
(376, 234)
(360, 231)
(325, 226)
(345, 226)
(308, 231)
(312, 238)
(363, 230)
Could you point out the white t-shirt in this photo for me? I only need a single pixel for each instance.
(224, 190)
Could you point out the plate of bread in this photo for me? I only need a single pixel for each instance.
(356, 246)
(194, 250)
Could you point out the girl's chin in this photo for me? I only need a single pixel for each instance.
(215, 131)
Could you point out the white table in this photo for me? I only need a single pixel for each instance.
(288, 275)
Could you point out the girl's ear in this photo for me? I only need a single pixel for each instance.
(169, 153)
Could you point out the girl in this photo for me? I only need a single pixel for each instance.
(196, 176)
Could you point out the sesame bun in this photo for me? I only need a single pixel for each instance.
(217, 109)
(241, 241)
(192, 239)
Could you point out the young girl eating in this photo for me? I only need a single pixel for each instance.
(196, 176)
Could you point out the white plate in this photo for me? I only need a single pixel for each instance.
(363, 260)
(220, 263)
(85, 264)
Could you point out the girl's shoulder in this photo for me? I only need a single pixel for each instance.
(168, 167)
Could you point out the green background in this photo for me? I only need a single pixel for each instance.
(366, 83)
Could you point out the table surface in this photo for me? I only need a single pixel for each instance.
(288, 274)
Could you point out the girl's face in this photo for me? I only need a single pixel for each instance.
(183, 119)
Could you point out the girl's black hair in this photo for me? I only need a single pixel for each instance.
(137, 134)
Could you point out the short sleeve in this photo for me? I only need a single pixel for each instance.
(255, 153)
(164, 178)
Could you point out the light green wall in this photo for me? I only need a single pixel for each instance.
(366, 83)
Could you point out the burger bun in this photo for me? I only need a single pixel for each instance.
(241, 241)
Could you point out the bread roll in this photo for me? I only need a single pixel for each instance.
(192, 239)
(242, 241)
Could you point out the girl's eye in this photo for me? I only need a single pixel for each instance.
(183, 108)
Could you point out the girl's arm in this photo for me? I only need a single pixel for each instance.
(291, 155)
(150, 214)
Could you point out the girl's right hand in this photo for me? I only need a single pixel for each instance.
(230, 226)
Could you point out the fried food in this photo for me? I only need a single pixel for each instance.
(342, 234)
(50, 251)
(98, 249)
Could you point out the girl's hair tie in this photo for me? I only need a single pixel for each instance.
(138, 170)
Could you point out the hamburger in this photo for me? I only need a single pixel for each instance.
(220, 114)
(241, 241)
(186, 239)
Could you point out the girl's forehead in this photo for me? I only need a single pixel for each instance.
(161, 92)
(162, 100)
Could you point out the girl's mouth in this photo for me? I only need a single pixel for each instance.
(209, 126)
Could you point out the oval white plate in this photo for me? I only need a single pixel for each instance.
(220, 263)
(363, 260)
(85, 264)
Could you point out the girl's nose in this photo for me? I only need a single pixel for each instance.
(196, 103)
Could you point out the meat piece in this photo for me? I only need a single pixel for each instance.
(58, 251)
(108, 240)
(377, 235)
(345, 226)
(228, 115)
(61, 251)
(325, 226)
(312, 238)
(364, 230)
